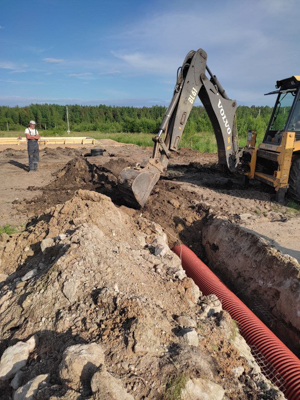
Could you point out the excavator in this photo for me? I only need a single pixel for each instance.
(276, 161)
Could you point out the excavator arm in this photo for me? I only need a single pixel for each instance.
(136, 184)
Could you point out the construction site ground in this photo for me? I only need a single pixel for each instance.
(247, 238)
(195, 175)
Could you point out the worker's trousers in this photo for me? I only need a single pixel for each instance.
(33, 154)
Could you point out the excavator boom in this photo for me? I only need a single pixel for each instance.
(136, 184)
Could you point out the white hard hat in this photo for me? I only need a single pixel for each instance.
(32, 122)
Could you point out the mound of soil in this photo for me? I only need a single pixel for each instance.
(85, 272)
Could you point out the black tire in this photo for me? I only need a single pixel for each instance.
(96, 152)
(294, 180)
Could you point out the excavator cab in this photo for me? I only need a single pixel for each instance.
(276, 161)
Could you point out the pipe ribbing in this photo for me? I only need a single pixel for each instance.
(277, 355)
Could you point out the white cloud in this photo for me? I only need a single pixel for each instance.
(249, 44)
(109, 73)
(145, 62)
(53, 60)
(22, 82)
(81, 74)
(279, 7)
(7, 65)
(19, 71)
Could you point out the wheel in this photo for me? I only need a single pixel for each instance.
(280, 194)
(246, 181)
(294, 180)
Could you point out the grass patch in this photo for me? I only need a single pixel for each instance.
(8, 229)
(215, 348)
(204, 142)
(175, 386)
(293, 207)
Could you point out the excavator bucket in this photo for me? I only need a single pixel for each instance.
(136, 184)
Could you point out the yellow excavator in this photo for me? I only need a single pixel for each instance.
(276, 161)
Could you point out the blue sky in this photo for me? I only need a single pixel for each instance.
(126, 53)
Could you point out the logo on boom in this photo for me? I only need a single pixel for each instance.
(192, 96)
(224, 118)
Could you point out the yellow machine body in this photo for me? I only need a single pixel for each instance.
(271, 161)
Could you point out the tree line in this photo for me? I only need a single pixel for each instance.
(110, 119)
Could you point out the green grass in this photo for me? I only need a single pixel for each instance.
(175, 386)
(293, 207)
(8, 229)
(204, 142)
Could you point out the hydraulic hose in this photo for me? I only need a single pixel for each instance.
(283, 366)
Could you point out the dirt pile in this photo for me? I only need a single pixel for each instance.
(87, 278)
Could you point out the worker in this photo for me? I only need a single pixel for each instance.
(32, 136)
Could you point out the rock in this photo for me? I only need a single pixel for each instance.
(210, 306)
(3, 277)
(79, 363)
(29, 275)
(240, 344)
(28, 391)
(186, 322)
(180, 274)
(32, 342)
(20, 284)
(108, 387)
(205, 206)
(70, 289)
(61, 236)
(49, 242)
(145, 339)
(15, 357)
(160, 250)
(16, 382)
(245, 216)
(175, 203)
(238, 371)
(203, 389)
(192, 291)
(188, 336)
(160, 244)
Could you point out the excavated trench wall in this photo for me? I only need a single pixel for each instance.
(266, 280)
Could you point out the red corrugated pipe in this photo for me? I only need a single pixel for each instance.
(279, 358)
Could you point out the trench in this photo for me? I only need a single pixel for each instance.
(277, 362)
(264, 279)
